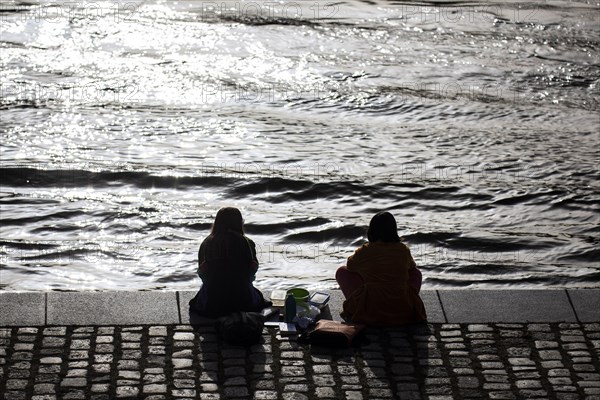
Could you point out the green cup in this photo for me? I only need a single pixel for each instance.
(300, 295)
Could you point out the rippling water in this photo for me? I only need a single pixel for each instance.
(125, 126)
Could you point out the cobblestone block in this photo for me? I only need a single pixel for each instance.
(266, 395)
(496, 361)
(74, 382)
(157, 331)
(127, 392)
(186, 336)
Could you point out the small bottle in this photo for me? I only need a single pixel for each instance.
(290, 308)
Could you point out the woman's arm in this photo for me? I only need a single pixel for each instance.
(415, 277)
(355, 260)
(202, 270)
(252, 250)
(202, 264)
(411, 262)
(254, 262)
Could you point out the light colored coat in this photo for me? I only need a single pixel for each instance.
(385, 298)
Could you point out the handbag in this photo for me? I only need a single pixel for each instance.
(241, 328)
(328, 333)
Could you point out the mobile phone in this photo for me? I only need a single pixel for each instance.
(319, 299)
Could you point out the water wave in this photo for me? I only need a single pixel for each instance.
(474, 123)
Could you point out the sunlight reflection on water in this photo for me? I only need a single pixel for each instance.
(124, 129)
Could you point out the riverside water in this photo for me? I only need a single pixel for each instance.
(125, 126)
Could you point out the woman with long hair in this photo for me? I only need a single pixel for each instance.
(227, 265)
(380, 280)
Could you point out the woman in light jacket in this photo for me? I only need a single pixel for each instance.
(381, 281)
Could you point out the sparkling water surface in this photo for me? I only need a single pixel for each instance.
(126, 125)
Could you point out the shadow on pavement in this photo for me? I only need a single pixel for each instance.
(231, 371)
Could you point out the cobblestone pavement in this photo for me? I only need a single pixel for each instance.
(435, 361)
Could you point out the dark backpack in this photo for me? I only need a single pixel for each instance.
(241, 328)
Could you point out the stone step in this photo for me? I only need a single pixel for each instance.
(164, 307)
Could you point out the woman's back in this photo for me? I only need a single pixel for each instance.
(385, 297)
(381, 262)
(227, 265)
(227, 270)
(231, 250)
(376, 277)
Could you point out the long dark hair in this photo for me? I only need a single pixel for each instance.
(383, 227)
(228, 219)
(226, 239)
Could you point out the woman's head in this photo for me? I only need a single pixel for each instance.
(383, 228)
(228, 219)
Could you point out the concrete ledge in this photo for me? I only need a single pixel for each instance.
(335, 305)
(586, 304)
(472, 306)
(166, 308)
(435, 312)
(22, 308)
(333, 312)
(184, 304)
(430, 298)
(112, 308)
